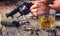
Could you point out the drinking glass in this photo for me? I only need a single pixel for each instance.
(46, 21)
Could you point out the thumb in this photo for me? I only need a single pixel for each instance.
(56, 7)
(34, 2)
(45, 1)
(52, 6)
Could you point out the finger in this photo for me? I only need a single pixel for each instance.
(52, 6)
(35, 2)
(55, 7)
(36, 5)
(44, 1)
(33, 6)
(34, 12)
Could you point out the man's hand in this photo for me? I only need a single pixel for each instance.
(56, 5)
(34, 8)
(38, 6)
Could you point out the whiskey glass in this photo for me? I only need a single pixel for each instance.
(46, 22)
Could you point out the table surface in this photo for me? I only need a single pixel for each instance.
(14, 31)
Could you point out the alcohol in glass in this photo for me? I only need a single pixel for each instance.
(46, 22)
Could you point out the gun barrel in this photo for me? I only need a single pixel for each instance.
(11, 13)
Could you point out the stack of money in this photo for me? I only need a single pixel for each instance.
(6, 21)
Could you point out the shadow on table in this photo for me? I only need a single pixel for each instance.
(57, 18)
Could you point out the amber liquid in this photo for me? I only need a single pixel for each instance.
(46, 22)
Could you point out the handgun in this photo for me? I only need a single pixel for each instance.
(20, 9)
